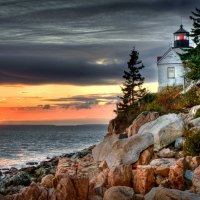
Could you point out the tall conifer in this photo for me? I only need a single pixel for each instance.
(132, 86)
(192, 57)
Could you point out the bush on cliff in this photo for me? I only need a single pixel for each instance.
(197, 114)
(191, 146)
(169, 100)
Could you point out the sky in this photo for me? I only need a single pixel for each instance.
(62, 62)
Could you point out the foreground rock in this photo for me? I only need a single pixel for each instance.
(119, 193)
(124, 151)
(176, 177)
(101, 151)
(63, 189)
(196, 180)
(166, 153)
(145, 157)
(166, 129)
(142, 119)
(194, 122)
(192, 113)
(47, 181)
(144, 179)
(10, 184)
(169, 194)
(34, 191)
(120, 175)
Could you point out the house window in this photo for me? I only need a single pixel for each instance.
(171, 72)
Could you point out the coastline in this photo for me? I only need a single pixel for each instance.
(34, 171)
(145, 162)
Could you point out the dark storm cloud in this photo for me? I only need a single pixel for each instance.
(84, 42)
(51, 70)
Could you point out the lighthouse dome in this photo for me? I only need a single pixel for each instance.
(181, 38)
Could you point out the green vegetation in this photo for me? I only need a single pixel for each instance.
(191, 146)
(169, 100)
(135, 99)
(133, 92)
(132, 86)
(192, 58)
(197, 115)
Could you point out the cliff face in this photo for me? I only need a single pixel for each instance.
(146, 162)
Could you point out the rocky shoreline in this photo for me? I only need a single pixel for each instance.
(146, 162)
(12, 180)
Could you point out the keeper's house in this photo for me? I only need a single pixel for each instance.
(170, 67)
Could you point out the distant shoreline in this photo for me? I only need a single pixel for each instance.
(52, 125)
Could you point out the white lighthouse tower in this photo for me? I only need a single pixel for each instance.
(171, 71)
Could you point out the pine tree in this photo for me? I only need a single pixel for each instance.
(192, 58)
(195, 33)
(132, 86)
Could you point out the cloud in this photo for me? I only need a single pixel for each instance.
(84, 101)
(46, 107)
(61, 41)
(75, 102)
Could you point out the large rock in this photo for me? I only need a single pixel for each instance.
(194, 163)
(81, 185)
(194, 122)
(126, 151)
(144, 179)
(166, 129)
(120, 175)
(176, 177)
(189, 162)
(47, 181)
(167, 194)
(143, 118)
(63, 189)
(163, 162)
(193, 112)
(190, 117)
(33, 192)
(161, 166)
(145, 157)
(97, 185)
(196, 180)
(101, 151)
(119, 193)
(166, 153)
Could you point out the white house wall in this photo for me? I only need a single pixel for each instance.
(170, 59)
(163, 79)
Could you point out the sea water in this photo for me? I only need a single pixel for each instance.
(22, 144)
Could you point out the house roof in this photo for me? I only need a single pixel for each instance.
(181, 30)
(171, 50)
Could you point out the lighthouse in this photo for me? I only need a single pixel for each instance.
(171, 71)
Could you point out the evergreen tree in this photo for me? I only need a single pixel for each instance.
(192, 58)
(132, 86)
(195, 33)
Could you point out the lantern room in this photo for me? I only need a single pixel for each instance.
(181, 38)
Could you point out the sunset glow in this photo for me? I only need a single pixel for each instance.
(58, 104)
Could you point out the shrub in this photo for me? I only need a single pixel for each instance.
(197, 114)
(190, 98)
(148, 98)
(191, 146)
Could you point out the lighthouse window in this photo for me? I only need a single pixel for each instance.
(171, 72)
(181, 37)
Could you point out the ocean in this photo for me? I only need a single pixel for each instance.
(22, 144)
